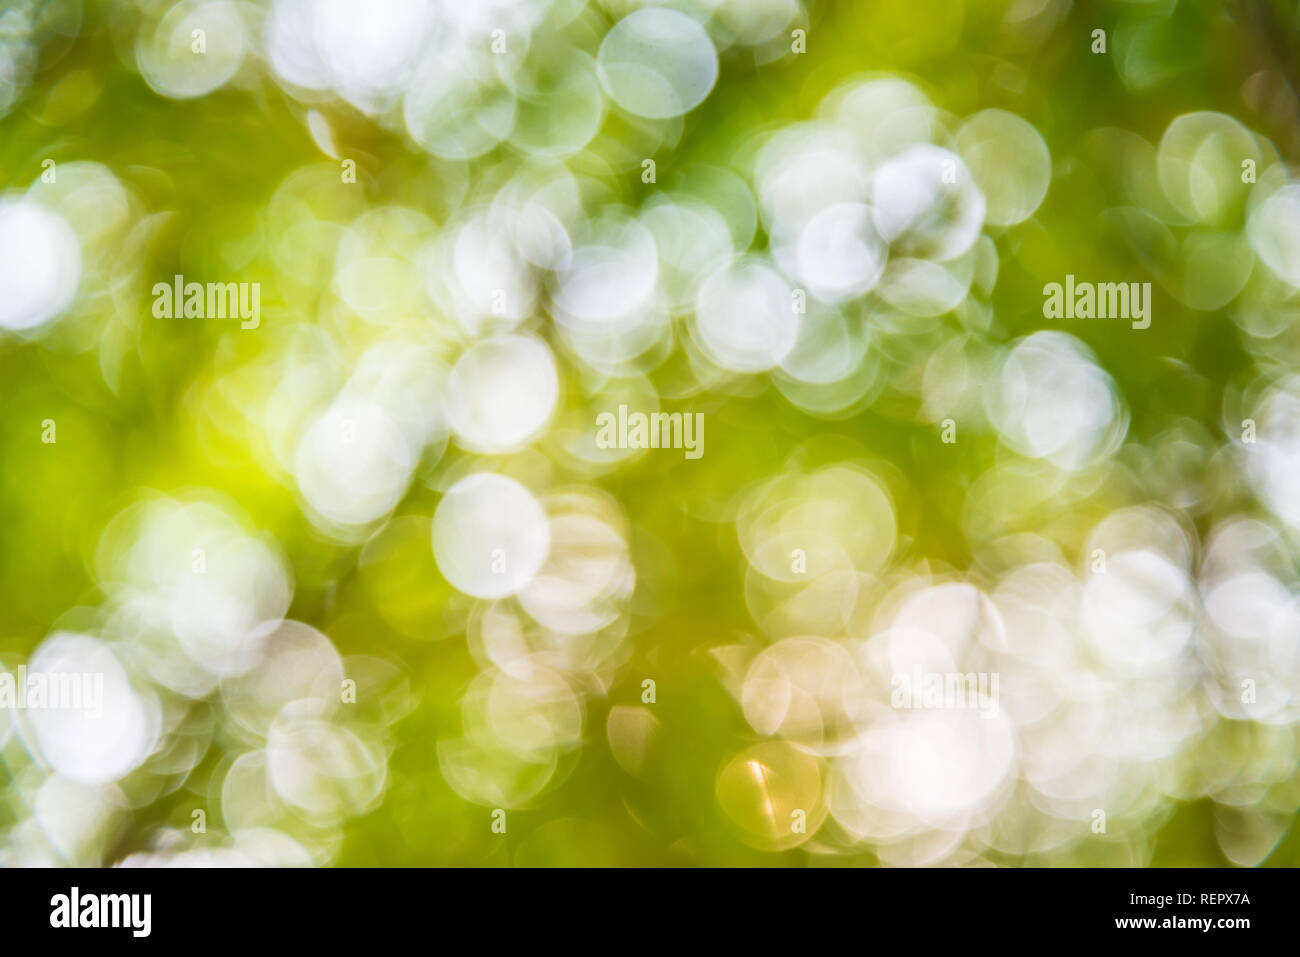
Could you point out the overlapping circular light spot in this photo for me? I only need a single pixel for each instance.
(452, 112)
(1052, 401)
(772, 793)
(501, 393)
(925, 203)
(934, 768)
(322, 768)
(1010, 163)
(807, 690)
(588, 574)
(745, 318)
(837, 518)
(353, 463)
(220, 609)
(110, 731)
(839, 253)
(657, 63)
(490, 536)
(1199, 164)
(40, 265)
(197, 47)
(1274, 233)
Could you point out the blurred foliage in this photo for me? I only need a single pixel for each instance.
(135, 406)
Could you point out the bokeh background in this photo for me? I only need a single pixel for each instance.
(362, 577)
